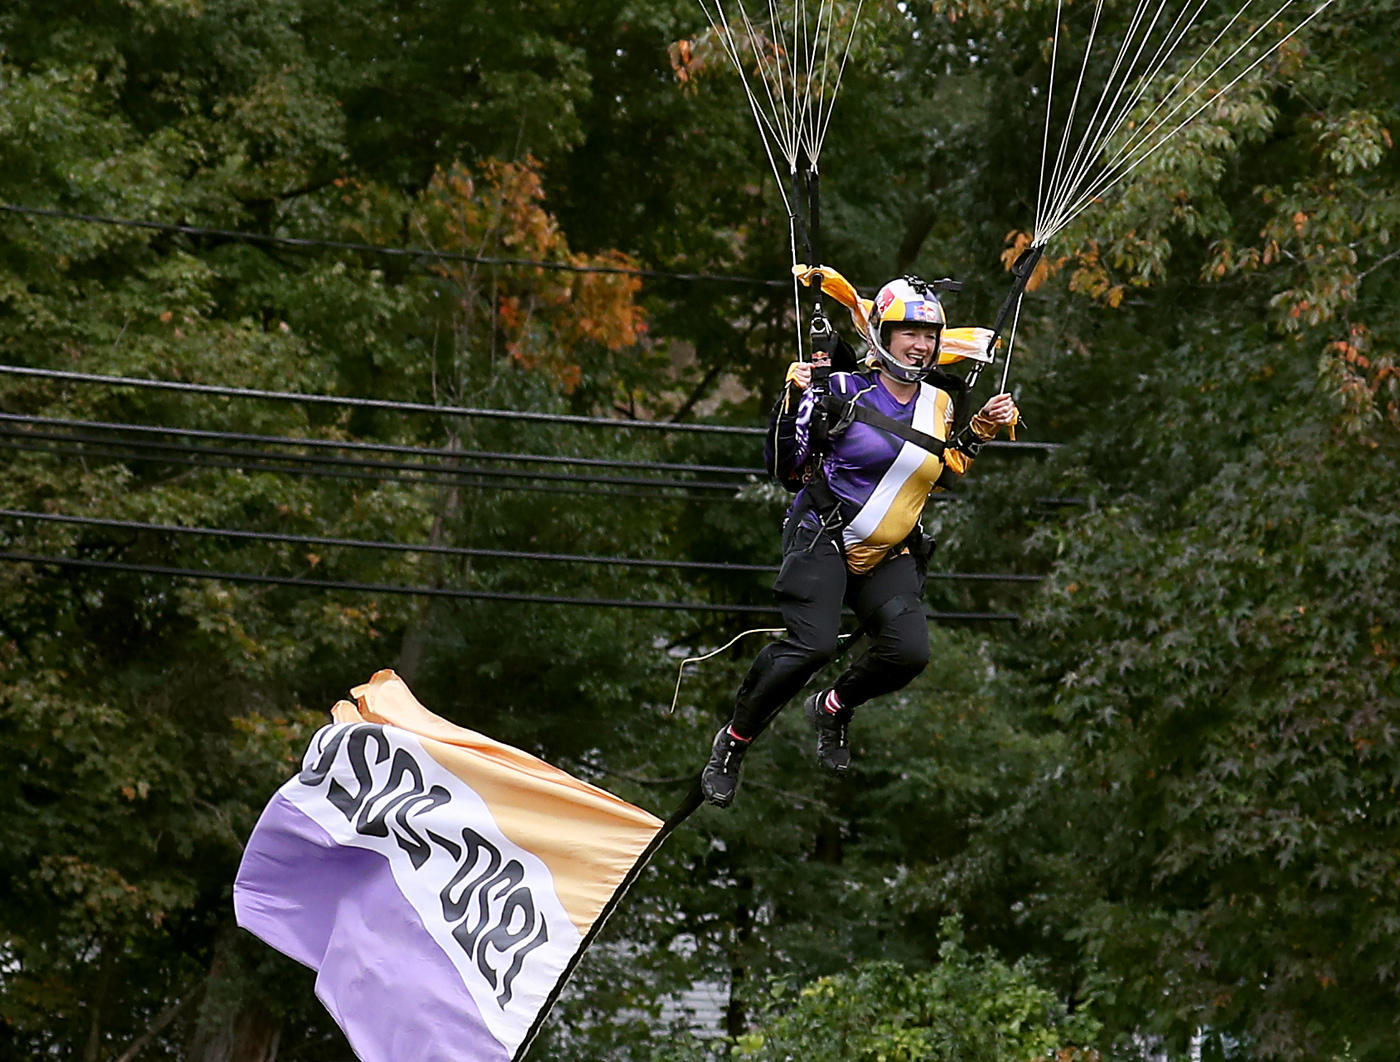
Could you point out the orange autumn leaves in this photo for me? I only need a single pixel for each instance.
(538, 319)
(542, 316)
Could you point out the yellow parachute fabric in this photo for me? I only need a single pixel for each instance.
(957, 344)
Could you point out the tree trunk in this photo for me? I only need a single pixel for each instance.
(917, 226)
(736, 1018)
(234, 1025)
(415, 639)
(99, 996)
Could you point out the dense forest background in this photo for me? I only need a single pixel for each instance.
(1161, 806)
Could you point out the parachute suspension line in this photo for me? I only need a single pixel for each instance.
(1011, 345)
(1165, 50)
(801, 65)
(720, 24)
(680, 675)
(840, 73)
(811, 114)
(1062, 189)
(803, 43)
(1146, 127)
(1076, 187)
(1109, 179)
(1066, 188)
(1099, 119)
(801, 73)
(780, 122)
(1049, 101)
(1074, 103)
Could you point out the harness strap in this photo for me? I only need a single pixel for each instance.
(818, 497)
(899, 429)
(844, 411)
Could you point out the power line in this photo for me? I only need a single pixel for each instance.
(56, 450)
(375, 248)
(375, 403)
(422, 407)
(434, 591)
(398, 547)
(349, 462)
(462, 551)
(423, 451)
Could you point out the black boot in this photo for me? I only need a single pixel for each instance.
(719, 781)
(833, 750)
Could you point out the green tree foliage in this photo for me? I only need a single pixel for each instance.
(1171, 785)
(968, 1006)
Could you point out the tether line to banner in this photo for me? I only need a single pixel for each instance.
(693, 799)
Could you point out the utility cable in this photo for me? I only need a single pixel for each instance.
(15, 441)
(421, 407)
(397, 547)
(351, 462)
(456, 551)
(419, 451)
(435, 591)
(10, 442)
(375, 248)
(374, 403)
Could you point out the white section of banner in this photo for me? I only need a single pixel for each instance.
(488, 903)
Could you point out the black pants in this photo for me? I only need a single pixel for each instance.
(811, 588)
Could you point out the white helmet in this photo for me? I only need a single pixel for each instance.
(906, 300)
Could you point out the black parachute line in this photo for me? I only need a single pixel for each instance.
(686, 808)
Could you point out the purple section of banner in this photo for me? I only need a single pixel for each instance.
(337, 909)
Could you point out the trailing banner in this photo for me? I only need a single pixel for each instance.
(440, 883)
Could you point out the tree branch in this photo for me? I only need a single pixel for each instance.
(163, 1019)
(698, 393)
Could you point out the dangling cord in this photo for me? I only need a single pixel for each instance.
(680, 675)
(1010, 345)
(1006, 367)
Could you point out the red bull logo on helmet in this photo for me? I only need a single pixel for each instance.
(900, 301)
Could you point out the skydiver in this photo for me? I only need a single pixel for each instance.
(852, 534)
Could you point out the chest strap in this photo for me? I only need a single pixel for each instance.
(847, 411)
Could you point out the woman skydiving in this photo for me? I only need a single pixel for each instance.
(871, 451)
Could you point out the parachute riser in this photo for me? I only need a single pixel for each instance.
(821, 334)
(806, 190)
(1021, 273)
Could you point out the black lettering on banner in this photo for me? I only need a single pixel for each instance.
(455, 909)
(500, 898)
(494, 912)
(359, 737)
(413, 801)
(316, 775)
(503, 939)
